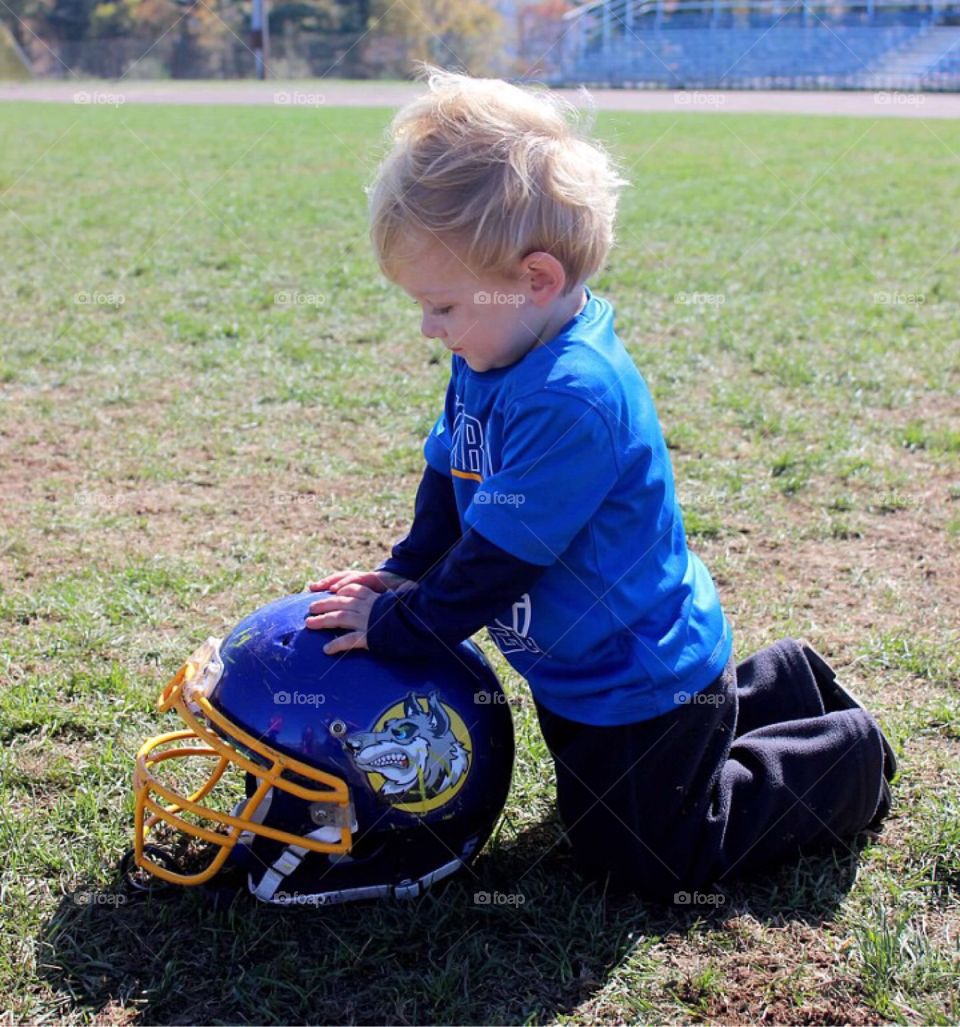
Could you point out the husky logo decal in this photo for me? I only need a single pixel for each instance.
(417, 755)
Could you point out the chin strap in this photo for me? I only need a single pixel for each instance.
(268, 888)
(285, 864)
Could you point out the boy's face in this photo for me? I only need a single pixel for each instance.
(490, 321)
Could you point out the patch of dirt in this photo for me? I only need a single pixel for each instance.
(116, 1014)
(46, 767)
(62, 510)
(900, 577)
(746, 973)
(768, 975)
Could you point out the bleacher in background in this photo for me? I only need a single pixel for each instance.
(762, 44)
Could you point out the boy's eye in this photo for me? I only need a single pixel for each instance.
(438, 310)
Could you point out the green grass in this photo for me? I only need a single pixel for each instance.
(171, 461)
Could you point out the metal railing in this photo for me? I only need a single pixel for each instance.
(745, 44)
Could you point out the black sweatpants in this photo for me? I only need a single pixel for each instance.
(741, 776)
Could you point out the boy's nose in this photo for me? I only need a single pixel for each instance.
(431, 329)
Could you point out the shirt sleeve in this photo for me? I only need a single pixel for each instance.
(467, 590)
(435, 529)
(558, 464)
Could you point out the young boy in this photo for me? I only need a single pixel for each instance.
(547, 513)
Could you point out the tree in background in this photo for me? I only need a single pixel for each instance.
(200, 39)
(113, 19)
(206, 31)
(78, 20)
(466, 34)
(67, 19)
(20, 16)
(306, 16)
(355, 15)
(541, 36)
(14, 64)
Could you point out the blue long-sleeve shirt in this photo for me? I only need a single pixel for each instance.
(464, 580)
(558, 463)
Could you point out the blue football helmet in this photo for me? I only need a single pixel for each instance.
(325, 778)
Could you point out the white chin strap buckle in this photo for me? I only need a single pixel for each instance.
(268, 888)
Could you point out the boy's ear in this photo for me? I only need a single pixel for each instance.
(545, 274)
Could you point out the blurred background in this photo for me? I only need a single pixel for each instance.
(690, 44)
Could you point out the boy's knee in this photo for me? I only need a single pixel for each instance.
(649, 880)
(653, 869)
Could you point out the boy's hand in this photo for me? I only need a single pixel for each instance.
(377, 581)
(355, 594)
(349, 608)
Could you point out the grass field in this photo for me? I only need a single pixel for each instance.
(208, 396)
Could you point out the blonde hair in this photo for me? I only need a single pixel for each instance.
(494, 171)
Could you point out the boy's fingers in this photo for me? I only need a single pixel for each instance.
(330, 582)
(321, 586)
(354, 589)
(353, 640)
(317, 586)
(340, 600)
(330, 608)
(344, 579)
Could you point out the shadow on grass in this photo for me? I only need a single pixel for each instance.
(519, 938)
